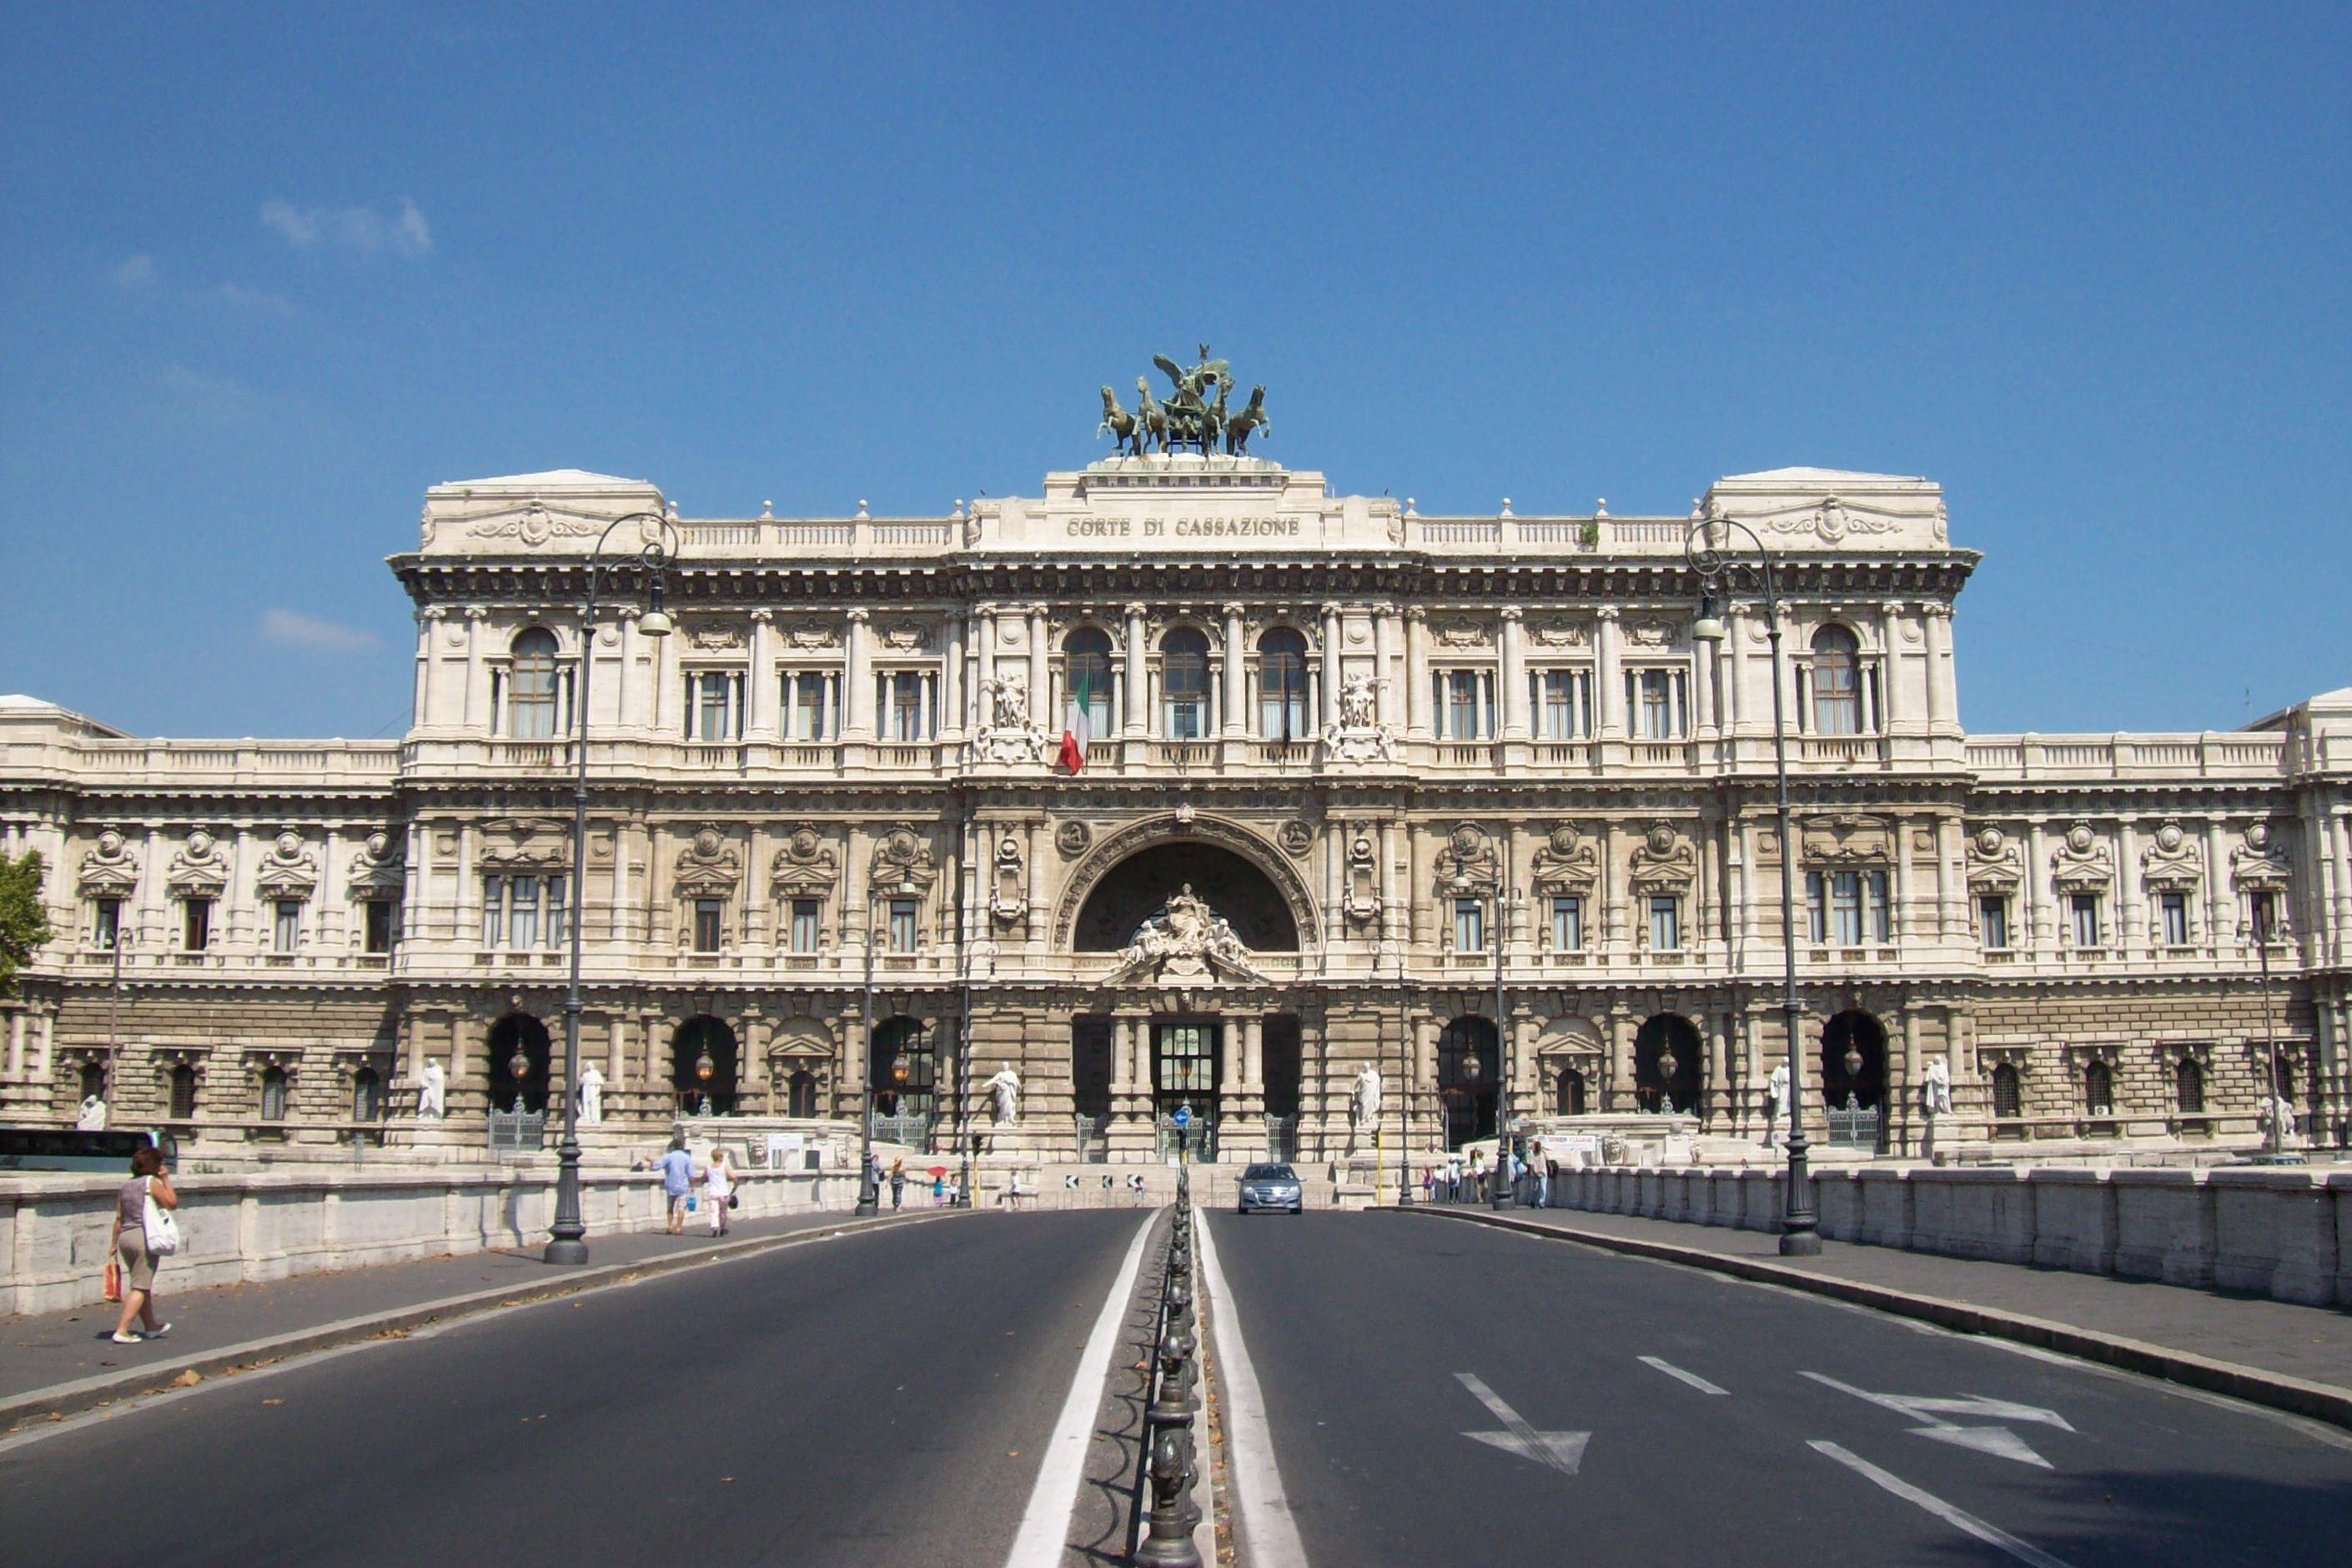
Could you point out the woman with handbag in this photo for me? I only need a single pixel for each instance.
(718, 1190)
(144, 1230)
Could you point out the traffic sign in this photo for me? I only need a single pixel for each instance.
(1183, 1116)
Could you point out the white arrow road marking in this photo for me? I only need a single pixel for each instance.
(1563, 1451)
(1998, 1441)
(1671, 1370)
(1992, 1535)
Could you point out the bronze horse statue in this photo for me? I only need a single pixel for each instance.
(1125, 430)
(1251, 417)
(1150, 418)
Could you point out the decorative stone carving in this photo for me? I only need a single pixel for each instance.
(710, 866)
(1559, 634)
(2084, 862)
(1847, 840)
(2172, 861)
(1008, 888)
(1005, 1096)
(1831, 523)
(535, 525)
(807, 635)
(379, 865)
(1009, 736)
(1361, 901)
(1185, 939)
(712, 637)
(1566, 863)
(1649, 633)
(110, 870)
(2260, 864)
(1296, 838)
(1072, 839)
(1463, 632)
(289, 870)
(1467, 863)
(806, 868)
(906, 637)
(903, 864)
(200, 866)
(1664, 861)
(527, 844)
(1359, 736)
(1995, 866)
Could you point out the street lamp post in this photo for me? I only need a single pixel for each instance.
(123, 935)
(568, 1236)
(869, 1191)
(1404, 1084)
(1506, 899)
(1800, 1234)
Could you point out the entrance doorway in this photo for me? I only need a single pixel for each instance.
(1469, 1069)
(696, 1040)
(1090, 1064)
(1854, 1061)
(1184, 1076)
(523, 1032)
(1666, 1063)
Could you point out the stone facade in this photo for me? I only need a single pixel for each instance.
(1370, 744)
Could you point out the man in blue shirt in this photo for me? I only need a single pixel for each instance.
(677, 1168)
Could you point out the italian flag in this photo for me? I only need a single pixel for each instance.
(1077, 732)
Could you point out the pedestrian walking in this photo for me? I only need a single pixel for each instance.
(1428, 1184)
(718, 1190)
(148, 1189)
(677, 1168)
(939, 1191)
(898, 1184)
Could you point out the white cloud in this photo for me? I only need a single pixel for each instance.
(362, 228)
(136, 275)
(306, 631)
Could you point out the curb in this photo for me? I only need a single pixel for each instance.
(2298, 1396)
(60, 1400)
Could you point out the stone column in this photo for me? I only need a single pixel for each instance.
(2128, 924)
(849, 1094)
(1231, 1082)
(955, 701)
(1514, 674)
(2037, 886)
(1902, 881)
(666, 688)
(856, 868)
(1951, 880)
(983, 663)
(476, 716)
(1393, 902)
(625, 670)
(1416, 672)
(1384, 655)
(1235, 697)
(428, 621)
(1036, 930)
(2339, 837)
(764, 695)
(858, 675)
(1135, 721)
(1041, 679)
(1610, 699)
(1254, 1062)
(1331, 694)
(1716, 1093)
(1618, 1090)
(1942, 699)
(15, 1045)
(616, 1050)
(1900, 1082)
(1122, 1061)
(1735, 685)
(1703, 659)
(2220, 906)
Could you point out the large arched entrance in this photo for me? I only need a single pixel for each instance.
(1468, 1071)
(902, 1071)
(1854, 1062)
(518, 1032)
(1665, 1064)
(702, 1067)
(1134, 889)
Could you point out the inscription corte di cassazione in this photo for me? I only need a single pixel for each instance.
(1184, 527)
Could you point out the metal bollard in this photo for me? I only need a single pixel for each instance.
(1168, 1419)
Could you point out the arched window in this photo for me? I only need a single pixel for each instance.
(367, 1095)
(2007, 1098)
(1837, 683)
(2098, 1089)
(1184, 685)
(1572, 1093)
(1468, 1059)
(2189, 1087)
(1086, 677)
(1282, 685)
(902, 1069)
(273, 1094)
(183, 1092)
(93, 1080)
(530, 704)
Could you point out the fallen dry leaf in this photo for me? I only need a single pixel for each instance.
(188, 1379)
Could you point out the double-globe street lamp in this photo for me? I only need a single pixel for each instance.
(569, 1232)
(1718, 573)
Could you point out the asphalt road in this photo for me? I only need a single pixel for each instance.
(874, 1401)
(1361, 1327)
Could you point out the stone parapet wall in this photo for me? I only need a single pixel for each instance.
(2283, 1233)
(243, 1230)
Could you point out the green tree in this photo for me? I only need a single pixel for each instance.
(24, 920)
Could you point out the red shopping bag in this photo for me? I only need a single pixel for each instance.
(113, 1280)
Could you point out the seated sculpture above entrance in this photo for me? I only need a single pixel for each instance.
(1186, 940)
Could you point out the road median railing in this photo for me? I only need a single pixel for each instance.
(1172, 1455)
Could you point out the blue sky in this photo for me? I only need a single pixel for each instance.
(266, 274)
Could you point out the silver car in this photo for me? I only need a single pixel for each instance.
(1273, 1187)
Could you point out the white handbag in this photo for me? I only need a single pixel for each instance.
(161, 1226)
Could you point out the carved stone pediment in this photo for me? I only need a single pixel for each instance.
(110, 870)
(905, 636)
(1468, 863)
(1185, 941)
(1995, 866)
(380, 865)
(1664, 861)
(1566, 862)
(710, 866)
(1461, 631)
(201, 866)
(806, 866)
(1847, 840)
(2173, 862)
(903, 864)
(1559, 634)
(714, 637)
(290, 870)
(527, 844)
(2260, 864)
(2084, 862)
(811, 635)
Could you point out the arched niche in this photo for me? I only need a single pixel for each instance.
(1136, 872)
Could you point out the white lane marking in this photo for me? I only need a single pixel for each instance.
(1693, 1379)
(1563, 1451)
(1998, 1441)
(1046, 1526)
(1269, 1535)
(1992, 1535)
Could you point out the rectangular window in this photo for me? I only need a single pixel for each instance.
(376, 914)
(106, 922)
(1567, 923)
(559, 913)
(523, 911)
(494, 913)
(1878, 915)
(1817, 907)
(286, 925)
(1562, 699)
(195, 923)
(903, 697)
(1654, 701)
(1465, 704)
(804, 925)
(2172, 911)
(1666, 922)
(1469, 925)
(1993, 922)
(714, 706)
(2083, 909)
(2262, 916)
(902, 925)
(809, 704)
(709, 917)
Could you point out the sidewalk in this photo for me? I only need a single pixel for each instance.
(2273, 1353)
(44, 1355)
